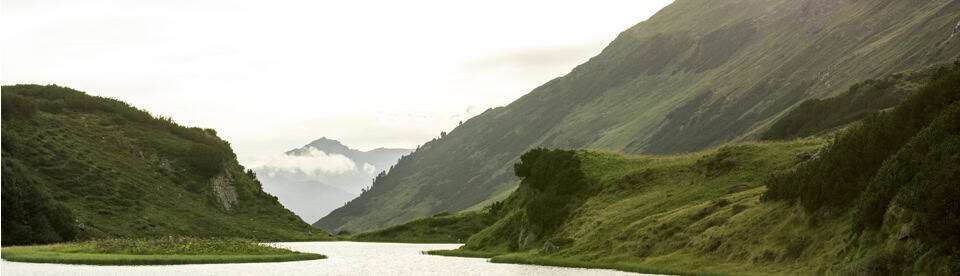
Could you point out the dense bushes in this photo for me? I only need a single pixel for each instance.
(23, 100)
(30, 216)
(933, 189)
(909, 156)
(206, 156)
(17, 107)
(818, 115)
(552, 179)
(206, 160)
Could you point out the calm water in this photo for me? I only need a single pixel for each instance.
(344, 258)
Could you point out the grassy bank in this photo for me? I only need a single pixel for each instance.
(659, 215)
(441, 228)
(163, 251)
(533, 259)
(463, 253)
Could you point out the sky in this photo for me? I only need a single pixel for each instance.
(271, 76)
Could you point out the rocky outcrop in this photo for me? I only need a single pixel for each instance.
(906, 231)
(223, 191)
(956, 29)
(529, 233)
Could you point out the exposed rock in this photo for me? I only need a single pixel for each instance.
(549, 247)
(224, 191)
(906, 231)
(804, 156)
(956, 29)
(528, 234)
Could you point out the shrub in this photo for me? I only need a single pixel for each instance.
(206, 160)
(851, 163)
(553, 179)
(30, 215)
(16, 107)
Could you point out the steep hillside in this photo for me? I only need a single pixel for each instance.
(880, 199)
(697, 74)
(321, 176)
(818, 116)
(78, 166)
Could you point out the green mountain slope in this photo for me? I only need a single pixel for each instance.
(440, 228)
(880, 199)
(695, 75)
(78, 166)
(819, 116)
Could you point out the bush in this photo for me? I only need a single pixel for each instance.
(15, 106)
(553, 179)
(30, 215)
(851, 163)
(206, 160)
(816, 116)
(883, 263)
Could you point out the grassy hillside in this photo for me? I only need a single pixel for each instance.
(440, 228)
(880, 199)
(819, 116)
(696, 75)
(80, 167)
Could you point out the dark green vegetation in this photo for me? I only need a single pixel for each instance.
(696, 75)
(880, 198)
(82, 167)
(818, 116)
(162, 251)
(440, 228)
(689, 213)
(895, 168)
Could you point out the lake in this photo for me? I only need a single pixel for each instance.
(344, 258)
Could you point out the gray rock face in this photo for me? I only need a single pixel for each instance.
(906, 231)
(224, 191)
(529, 233)
(549, 247)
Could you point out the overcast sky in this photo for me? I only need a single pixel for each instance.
(271, 76)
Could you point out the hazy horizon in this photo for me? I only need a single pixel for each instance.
(270, 78)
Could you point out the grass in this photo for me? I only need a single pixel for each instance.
(532, 259)
(652, 90)
(441, 228)
(121, 177)
(684, 214)
(697, 214)
(163, 251)
(463, 253)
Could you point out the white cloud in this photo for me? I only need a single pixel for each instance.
(312, 163)
(369, 169)
(271, 75)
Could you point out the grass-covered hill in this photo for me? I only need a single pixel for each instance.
(79, 167)
(439, 228)
(879, 198)
(697, 74)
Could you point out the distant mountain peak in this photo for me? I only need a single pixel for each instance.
(320, 176)
(326, 145)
